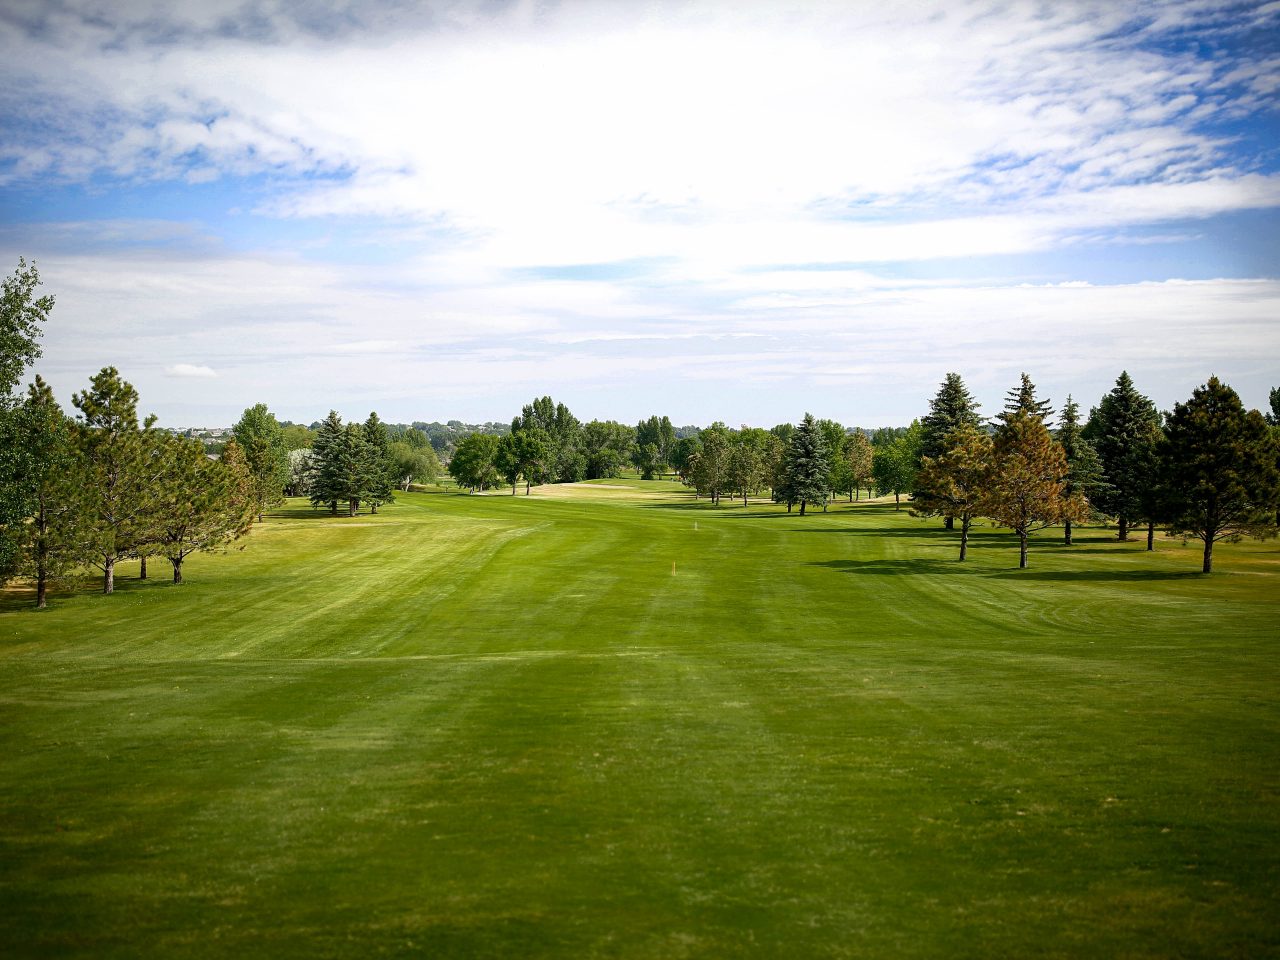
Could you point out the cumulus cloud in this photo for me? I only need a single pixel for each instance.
(190, 370)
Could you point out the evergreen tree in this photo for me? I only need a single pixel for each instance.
(204, 502)
(53, 537)
(262, 441)
(1219, 469)
(354, 468)
(1125, 429)
(1022, 399)
(957, 482)
(120, 470)
(1273, 400)
(808, 467)
(952, 408)
(1027, 491)
(325, 483)
(1084, 468)
(379, 481)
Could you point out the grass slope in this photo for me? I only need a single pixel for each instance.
(606, 720)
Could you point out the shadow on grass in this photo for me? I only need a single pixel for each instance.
(1098, 576)
(925, 565)
(898, 568)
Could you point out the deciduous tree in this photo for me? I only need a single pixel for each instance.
(473, 462)
(260, 438)
(896, 461)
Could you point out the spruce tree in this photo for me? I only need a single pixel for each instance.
(958, 482)
(1125, 429)
(807, 465)
(1219, 470)
(325, 483)
(1085, 476)
(952, 409)
(1022, 399)
(380, 480)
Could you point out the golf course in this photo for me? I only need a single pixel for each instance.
(611, 720)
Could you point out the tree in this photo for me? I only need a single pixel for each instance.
(1022, 399)
(354, 468)
(301, 462)
(1218, 465)
(709, 467)
(607, 446)
(1125, 430)
(958, 481)
(473, 462)
(567, 463)
(120, 470)
(21, 315)
(748, 460)
(808, 468)
(52, 539)
(952, 408)
(325, 483)
(653, 442)
(413, 464)
(260, 438)
(682, 452)
(858, 455)
(1273, 400)
(1027, 491)
(1084, 468)
(378, 480)
(203, 501)
(895, 463)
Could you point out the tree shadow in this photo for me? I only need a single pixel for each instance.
(897, 568)
(927, 565)
(1098, 576)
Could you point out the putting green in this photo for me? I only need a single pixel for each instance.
(608, 720)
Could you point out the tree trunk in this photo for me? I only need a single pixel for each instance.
(513, 488)
(1124, 528)
(260, 516)
(42, 588)
(109, 575)
(142, 568)
(1208, 555)
(851, 496)
(948, 523)
(789, 506)
(1022, 556)
(897, 500)
(42, 562)
(333, 507)
(373, 507)
(964, 538)
(1151, 535)
(177, 569)
(1066, 533)
(352, 507)
(744, 498)
(803, 504)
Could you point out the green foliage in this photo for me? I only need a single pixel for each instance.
(266, 454)
(958, 482)
(21, 315)
(858, 457)
(1085, 476)
(413, 463)
(951, 409)
(1022, 399)
(1028, 489)
(808, 465)
(121, 466)
(567, 463)
(895, 460)
(708, 468)
(379, 472)
(201, 502)
(474, 462)
(654, 440)
(326, 482)
(607, 447)
(1125, 430)
(682, 452)
(1219, 469)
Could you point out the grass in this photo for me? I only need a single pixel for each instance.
(608, 721)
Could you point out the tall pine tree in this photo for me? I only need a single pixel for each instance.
(1022, 399)
(1125, 430)
(325, 482)
(949, 411)
(808, 469)
(1085, 476)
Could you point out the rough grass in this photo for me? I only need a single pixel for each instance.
(606, 720)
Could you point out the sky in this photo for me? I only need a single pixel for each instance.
(714, 211)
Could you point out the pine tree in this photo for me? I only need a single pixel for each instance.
(121, 470)
(262, 441)
(1085, 476)
(206, 503)
(958, 482)
(952, 409)
(807, 465)
(1028, 484)
(1125, 430)
(1219, 469)
(1022, 399)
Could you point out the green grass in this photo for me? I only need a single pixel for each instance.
(607, 721)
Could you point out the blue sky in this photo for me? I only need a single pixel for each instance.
(726, 211)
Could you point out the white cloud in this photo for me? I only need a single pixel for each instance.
(190, 370)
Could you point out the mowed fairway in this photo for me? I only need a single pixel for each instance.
(612, 722)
